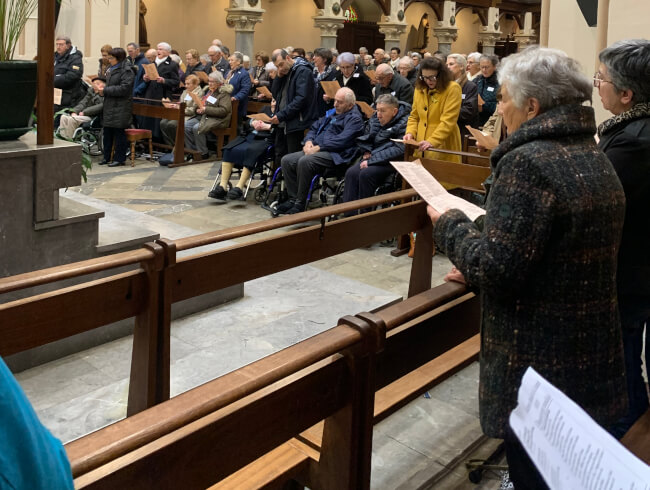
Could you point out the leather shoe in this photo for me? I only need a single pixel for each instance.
(104, 162)
(116, 164)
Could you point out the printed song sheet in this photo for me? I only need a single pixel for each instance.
(570, 450)
(432, 191)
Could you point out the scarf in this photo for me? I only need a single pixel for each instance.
(320, 76)
(638, 111)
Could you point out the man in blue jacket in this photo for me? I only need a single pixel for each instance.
(377, 149)
(329, 142)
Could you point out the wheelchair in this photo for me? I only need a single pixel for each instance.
(90, 135)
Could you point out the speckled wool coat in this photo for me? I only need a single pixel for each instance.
(545, 265)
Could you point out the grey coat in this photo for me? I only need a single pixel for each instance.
(545, 265)
(118, 96)
(218, 113)
(91, 105)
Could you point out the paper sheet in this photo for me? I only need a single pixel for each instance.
(372, 74)
(260, 117)
(433, 192)
(330, 88)
(264, 91)
(570, 450)
(203, 76)
(485, 141)
(365, 108)
(58, 93)
(151, 71)
(197, 100)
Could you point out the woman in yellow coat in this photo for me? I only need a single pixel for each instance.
(434, 116)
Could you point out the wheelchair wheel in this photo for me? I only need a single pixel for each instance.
(90, 144)
(260, 194)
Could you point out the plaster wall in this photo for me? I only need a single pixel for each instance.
(287, 23)
(468, 26)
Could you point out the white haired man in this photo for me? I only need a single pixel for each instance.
(389, 82)
(217, 61)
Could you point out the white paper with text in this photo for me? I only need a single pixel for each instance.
(570, 450)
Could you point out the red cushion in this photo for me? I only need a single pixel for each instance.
(138, 131)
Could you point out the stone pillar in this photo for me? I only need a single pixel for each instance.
(526, 36)
(329, 20)
(393, 25)
(445, 29)
(490, 34)
(243, 16)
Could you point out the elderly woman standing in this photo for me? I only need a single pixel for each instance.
(216, 113)
(545, 261)
(436, 106)
(118, 99)
(457, 65)
(324, 71)
(623, 82)
(352, 77)
(240, 80)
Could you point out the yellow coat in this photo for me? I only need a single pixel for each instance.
(434, 117)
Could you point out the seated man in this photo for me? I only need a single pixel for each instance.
(389, 122)
(389, 82)
(90, 106)
(329, 143)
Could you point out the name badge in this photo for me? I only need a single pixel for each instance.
(356, 75)
(187, 97)
(211, 100)
(464, 96)
(490, 89)
(393, 93)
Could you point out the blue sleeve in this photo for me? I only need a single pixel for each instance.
(244, 86)
(330, 141)
(30, 457)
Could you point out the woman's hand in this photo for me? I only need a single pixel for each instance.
(454, 275)
(200, 110)
(433, 214)
(160, 80)
(408, 136)
(424, 145)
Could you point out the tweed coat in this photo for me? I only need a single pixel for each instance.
(545, 265)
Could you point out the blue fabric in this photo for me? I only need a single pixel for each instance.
(30, 457)
(377, 139)
(335, 133)
(241, 86)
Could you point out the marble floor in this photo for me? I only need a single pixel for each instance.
(421, 446)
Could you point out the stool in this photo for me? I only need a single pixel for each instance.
(134, 135)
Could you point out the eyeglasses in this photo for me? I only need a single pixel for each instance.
(430, 78)
(598, 80)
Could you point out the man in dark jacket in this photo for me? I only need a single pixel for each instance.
(293, 91)
(68, 70)
(217, 61)
(137, 59)
(468, 116)
(393, 84)
(377, 149)
(488, 85)
(329, 143)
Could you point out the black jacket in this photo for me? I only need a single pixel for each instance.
(299, 110)
(68, 70)
(222, 65)
(377, 139)
(487, 89)
(399, 86)
(168, 69)
(118, 96)
(469, 108)
(359, 83)
(627, 145)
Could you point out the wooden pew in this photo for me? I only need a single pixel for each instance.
(207, 433)
(257, 106)
(230, 131)
(162, 112)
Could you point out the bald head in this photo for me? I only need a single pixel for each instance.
(344, 100)
(384, 74)
(151, 55)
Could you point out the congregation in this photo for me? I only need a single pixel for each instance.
(558, 259)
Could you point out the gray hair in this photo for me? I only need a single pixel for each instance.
(135, 45)
(246, 58)
(348, 95)
(474, 56)
(346, 57)
(545, 74)
(406, 60)
(460, 60)
(363, 49)
(204, 58)
(166, 46)
(270, 66)
(239, 56)
(214, 49)
(67, 40)
(387, 99)
(492, 58)
(175, 58)
(216, 76)
(384, 69)
(416, 55)
(628, 65)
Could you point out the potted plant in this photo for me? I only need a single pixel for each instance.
(18, 79)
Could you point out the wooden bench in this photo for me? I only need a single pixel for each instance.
(162, 112)
(230, 131)
(637, 439)
(257, 106)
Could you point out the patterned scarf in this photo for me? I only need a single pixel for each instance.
(319, 76)
(639, 111)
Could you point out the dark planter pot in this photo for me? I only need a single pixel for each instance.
(18, 85)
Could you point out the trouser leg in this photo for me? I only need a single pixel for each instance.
(290, 172)
(168, 130)
(308, 167)
(294, 141)
(200, 140)
(351, 189)
(121, 145)
(189, 133)
(108, 143)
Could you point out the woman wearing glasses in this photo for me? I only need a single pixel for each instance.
(623, 82)
(545, 259)
(436, 107)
